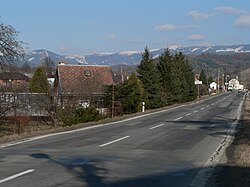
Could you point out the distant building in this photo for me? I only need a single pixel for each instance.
(17, 81)
(233, 84)
(213, 85)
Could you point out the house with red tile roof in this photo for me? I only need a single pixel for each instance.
(86, 81)
(14, 80)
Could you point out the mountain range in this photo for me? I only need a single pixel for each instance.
(35, 58)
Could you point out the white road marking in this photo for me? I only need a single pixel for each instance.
(178, 118)
(207, 106)
(195, 111)
(96, 126)
(188, 114)
(16, 175)
(202, 108)
(114, 141)
(86, 128)
(156, 126)
(205, 172)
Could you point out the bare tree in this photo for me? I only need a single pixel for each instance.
(49, 66)
(10, 48)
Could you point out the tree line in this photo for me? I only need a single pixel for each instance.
(159, 82)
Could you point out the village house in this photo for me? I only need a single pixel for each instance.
(234, 84)
(84, 83)
(213, 86)
(16, 81)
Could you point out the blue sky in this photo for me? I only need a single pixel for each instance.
(93, 26)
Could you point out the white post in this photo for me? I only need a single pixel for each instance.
(143, 106)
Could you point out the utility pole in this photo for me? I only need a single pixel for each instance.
(122, 74)
(226, 84)
(207, 77)
(218, 82)
(113, 100)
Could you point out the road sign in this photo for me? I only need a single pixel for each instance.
(197, 82)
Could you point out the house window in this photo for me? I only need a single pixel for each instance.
(87, 73)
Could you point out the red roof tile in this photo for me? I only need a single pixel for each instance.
(83, 79)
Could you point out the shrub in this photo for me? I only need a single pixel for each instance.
(81, 115)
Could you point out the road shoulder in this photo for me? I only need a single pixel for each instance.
(236, 170)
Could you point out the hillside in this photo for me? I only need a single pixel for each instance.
(231, 64)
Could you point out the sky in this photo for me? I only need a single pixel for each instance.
(108, 26)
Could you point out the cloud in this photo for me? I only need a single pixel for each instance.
(196, 37)
(166, 27)
(243, 21)
(198, 15)
(112, 37)
(169, 27)
(229, 10)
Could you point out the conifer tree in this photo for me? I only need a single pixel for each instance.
(131, 95)
(203, 77)
(150, 79)
(192, 90)
(165, 67)
(39, 82)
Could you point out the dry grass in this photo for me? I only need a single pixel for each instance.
(241, 155)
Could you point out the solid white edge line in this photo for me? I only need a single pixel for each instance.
(156, 126)
(16, 175)
(205, 172)
(114, 141)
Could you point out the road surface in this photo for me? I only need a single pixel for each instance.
(166, 148)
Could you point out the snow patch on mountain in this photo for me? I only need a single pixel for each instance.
(128, 53)
(31, 59)
(102, 54)
(175, 47)
(205, 50)
(195, 49)
(235, 50)
(77, 58)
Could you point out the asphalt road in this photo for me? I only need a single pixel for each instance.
(166, 148)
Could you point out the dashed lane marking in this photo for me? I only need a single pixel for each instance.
(114, 141)
(178, 118)
(16, 175)
(154, 127)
